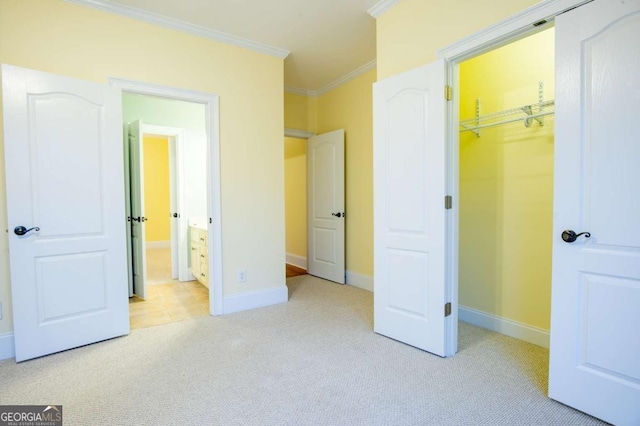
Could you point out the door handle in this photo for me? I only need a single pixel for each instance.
(139, 219)
(570, 236)
(338, 214)
(175, 215)
(21, 230)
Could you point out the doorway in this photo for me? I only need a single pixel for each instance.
(189, 121)
(506, 137)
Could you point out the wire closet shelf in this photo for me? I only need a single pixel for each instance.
(527, 114)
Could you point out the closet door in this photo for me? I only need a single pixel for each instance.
(409, 209)
(595, 343)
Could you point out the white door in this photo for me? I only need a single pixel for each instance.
(409, 209)
(138, 239)
(325, 206)
(595, 342)
(127, 204)
(65, 179)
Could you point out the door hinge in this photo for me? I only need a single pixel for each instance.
(448, 202)
(448, 92)
(447, 309)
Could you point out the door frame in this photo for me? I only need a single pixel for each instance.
(525, 23)
(179, 248)
(211, 103)
(304, 135)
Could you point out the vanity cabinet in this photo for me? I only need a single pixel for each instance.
(199, 255)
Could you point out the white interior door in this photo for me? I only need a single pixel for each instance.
(325, 206)
(127, 204)
(409, 210)
(174, 210)
(595, 343)
(138, 238)
(64, 170)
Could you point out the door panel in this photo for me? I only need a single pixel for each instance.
(594, 363)
(64, 168)
(138, 235)
(325, 199)
(409, 214)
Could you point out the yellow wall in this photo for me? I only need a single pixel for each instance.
(506, 186)
(157, 193)
(80, 42)
(411, 32)
(349, 107)
(295, 195)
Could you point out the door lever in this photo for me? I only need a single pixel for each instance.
(139, 219)
(21, 230)
(570, 236)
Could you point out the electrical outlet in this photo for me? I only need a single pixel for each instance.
(242, 275)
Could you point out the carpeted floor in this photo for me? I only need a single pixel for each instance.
(312, 361)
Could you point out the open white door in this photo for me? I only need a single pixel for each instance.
(65, 188)
(595, 343)
(409, 209)
(138, 240)
(325, 206)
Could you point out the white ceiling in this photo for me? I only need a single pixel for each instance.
(327, 38)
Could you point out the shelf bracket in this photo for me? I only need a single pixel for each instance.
(530, 111)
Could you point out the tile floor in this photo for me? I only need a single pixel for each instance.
(168, 302)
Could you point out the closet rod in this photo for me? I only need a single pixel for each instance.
(513, 120)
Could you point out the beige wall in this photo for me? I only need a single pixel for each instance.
(67, 39)
(411, 32)
(506, 186)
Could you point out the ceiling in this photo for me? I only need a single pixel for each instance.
(327, 38)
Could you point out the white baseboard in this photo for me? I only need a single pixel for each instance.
(255, 299)
(7, 346)
(535, 335)
(295, 260)
(364, 282)
(158, 244)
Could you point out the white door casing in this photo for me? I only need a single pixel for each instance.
(409, 210)
(595, 343)
(138, 238)
(64, 170)
(127, 204)
(325, 206)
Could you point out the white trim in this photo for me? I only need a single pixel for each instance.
(301, 92)
(508, 30)
(255, 299)
(295, 133)
(212, 117)
(176, 24)
(535, 335)
(380, 8)
(7, 346)
(334, 84)
(364, 282)
(158, 244)
(295, 260)
(347, 77)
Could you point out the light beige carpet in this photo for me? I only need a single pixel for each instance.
(312, 361)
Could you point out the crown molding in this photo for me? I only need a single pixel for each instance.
(176, 24)
(299, 134)
(347, 77)
(328, 87)
(302, 92)
(380, 8)
(519, 24)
